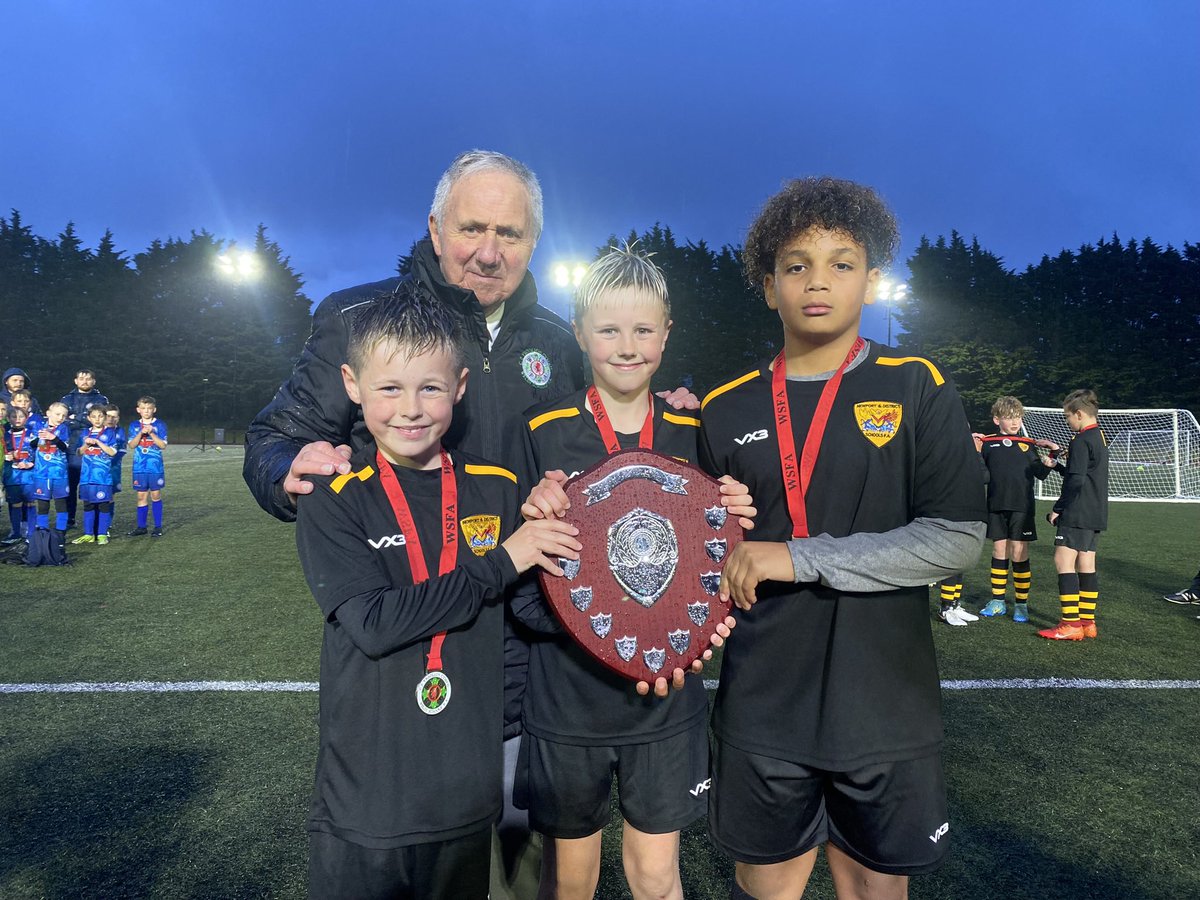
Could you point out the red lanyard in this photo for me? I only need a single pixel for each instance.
(600, 414)
(412, 542)
(796, 478)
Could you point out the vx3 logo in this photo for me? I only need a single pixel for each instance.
(942, 829)
(701, 787)
(390, 540)
(760, 435)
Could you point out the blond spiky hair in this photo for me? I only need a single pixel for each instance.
(621, 267)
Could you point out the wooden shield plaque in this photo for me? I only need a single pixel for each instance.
(642, 598)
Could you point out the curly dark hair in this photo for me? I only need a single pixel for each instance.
(831, 204)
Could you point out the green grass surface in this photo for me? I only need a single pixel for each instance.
(1054, 793)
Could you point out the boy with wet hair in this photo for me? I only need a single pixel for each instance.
(1080, 514)
(1014, 463)
(582, 723)
(827, 723)
(409, 556)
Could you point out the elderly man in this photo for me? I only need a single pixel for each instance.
(484, 223)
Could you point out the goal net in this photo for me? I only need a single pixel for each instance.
(1153, 454)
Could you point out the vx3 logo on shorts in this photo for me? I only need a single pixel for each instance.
(701, 787)
(760, 435)
(942, 829)
(388, 540)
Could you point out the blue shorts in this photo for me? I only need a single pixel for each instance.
(95, 493)
(149, 481)
(50, 489)
(21, 492)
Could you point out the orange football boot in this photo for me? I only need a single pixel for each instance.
(1064, 631)
(1089, 629)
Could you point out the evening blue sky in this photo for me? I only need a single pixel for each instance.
(1032, 126)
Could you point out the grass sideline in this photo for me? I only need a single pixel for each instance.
(1055, 793)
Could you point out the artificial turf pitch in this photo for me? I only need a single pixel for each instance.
(1054, 792)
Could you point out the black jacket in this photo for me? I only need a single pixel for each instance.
(533, 345)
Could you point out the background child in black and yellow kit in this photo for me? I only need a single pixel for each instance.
(1013, 463)
(1080, 514)
(409, 557)
(827, 722)
(583, 724)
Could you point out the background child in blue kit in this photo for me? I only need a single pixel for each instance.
(18, 474)
(98, 451)
(50, 484)
(147, 438)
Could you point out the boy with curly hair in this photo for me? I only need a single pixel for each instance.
(827, 722)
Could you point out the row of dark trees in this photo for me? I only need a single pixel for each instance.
(1121, 318)
(170, 323)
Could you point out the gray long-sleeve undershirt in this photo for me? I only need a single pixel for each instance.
(921, 552)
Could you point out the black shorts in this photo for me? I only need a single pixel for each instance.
(662, 785)
(452, 870)
(1011, 525)
(890, 817)
(1082, 540)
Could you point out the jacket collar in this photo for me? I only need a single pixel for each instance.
(428, 272)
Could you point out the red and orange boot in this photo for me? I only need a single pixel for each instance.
(1064, 631)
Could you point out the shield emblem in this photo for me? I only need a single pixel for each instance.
(715, 516)
(626, 647)
(879, 422)
(654, 658)
(570, 567)
(642, 553)
(581, 598)
(601, 624)
(679, 640)
(655, 538)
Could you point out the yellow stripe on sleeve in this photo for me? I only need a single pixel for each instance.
(538, 421)
(729, 386)
(342, 480)
(681, 420)
(901, 360)
(490, 470)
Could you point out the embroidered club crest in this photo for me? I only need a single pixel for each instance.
(535, 367)
(879, 422)
(482, 533)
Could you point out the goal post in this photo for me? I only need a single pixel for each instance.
(1153, 454)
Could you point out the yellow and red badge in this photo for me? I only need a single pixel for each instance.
(482, 533)
(879, 421)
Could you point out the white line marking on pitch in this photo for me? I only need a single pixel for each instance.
(298, 687)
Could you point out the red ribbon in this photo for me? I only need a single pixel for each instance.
(412, 541)
(608, 434)
(798, 474)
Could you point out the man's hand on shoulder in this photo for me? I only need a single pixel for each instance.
(317, 458)
(680, 398)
